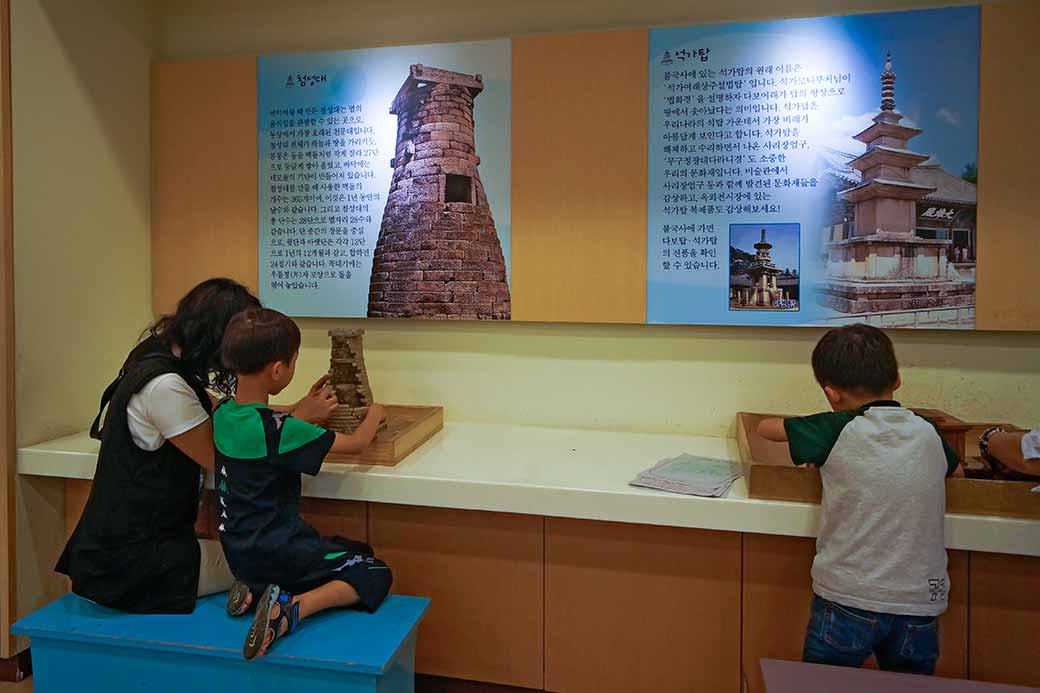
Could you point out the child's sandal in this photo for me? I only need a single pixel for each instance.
(264, 623)
(236, 599)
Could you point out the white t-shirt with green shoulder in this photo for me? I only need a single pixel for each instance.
(881, 544)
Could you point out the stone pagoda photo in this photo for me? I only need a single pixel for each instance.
(755, 280)
(884, 265)
(438, 254)
(760, 290)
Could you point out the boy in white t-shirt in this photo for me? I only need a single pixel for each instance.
(879, 575)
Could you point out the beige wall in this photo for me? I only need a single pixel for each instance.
(81, 217)
(668, 379)
(231, 27)
(665, 379)
(81, 230)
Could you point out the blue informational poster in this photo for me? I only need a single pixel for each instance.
(815, 171)
(384, 182)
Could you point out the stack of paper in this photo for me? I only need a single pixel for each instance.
(695, 476)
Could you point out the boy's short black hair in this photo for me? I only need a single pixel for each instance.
(856, 358)
(257, 337)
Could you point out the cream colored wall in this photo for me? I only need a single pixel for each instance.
(232, 27)
(665, 379)
(668, 379)
(80, 71)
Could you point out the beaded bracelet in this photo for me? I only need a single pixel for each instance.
(984, 442)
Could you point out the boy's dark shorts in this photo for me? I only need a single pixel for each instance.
(352, 562)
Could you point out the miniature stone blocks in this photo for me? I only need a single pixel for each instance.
(349, 380)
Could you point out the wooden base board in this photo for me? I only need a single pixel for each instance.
(773, 476)
(407, 428)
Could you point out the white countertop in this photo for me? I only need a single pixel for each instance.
(560, 473)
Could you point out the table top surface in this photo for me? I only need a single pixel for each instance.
(554, 472)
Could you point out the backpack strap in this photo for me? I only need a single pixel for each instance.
(106, 397)
(140, 371)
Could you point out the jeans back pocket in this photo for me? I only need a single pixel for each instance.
(921, 640)
(846, 631)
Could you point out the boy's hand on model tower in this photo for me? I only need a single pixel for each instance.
(356, 442)
(318, 385)
(318, 405)
(377, 412)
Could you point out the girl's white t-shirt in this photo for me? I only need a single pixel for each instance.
(164, 408)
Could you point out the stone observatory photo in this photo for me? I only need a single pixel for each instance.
(438, 255)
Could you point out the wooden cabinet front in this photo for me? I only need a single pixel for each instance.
(484, 573)
(1004, 618)
(347, 519)
(641, 608)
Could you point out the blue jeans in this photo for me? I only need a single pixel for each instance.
(846, 637)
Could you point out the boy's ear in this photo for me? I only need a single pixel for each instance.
(899, 383)
(832, 395)
(274, 369)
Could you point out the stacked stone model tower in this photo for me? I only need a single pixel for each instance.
(348, 379)
(438, 255)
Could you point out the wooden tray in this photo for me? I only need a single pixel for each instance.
(953, 430)
(773, 476)
(407, 428)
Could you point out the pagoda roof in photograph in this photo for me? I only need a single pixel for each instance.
(879, 155)
(947, 186)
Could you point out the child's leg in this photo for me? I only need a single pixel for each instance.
(344, 580)
(297, 608)
(837, 635)
(328, 596)
(214, 573)
(912, 646)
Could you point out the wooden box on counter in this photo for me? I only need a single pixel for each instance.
(407, 427)
(773, 476)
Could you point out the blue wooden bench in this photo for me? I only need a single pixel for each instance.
(78, 646)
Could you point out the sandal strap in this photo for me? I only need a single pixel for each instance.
(288, 612)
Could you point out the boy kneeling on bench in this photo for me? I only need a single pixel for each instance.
(260, 454)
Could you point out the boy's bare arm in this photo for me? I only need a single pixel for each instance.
(773, 429)
(353, 443)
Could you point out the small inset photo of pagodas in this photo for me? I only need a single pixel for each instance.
(763, 267)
